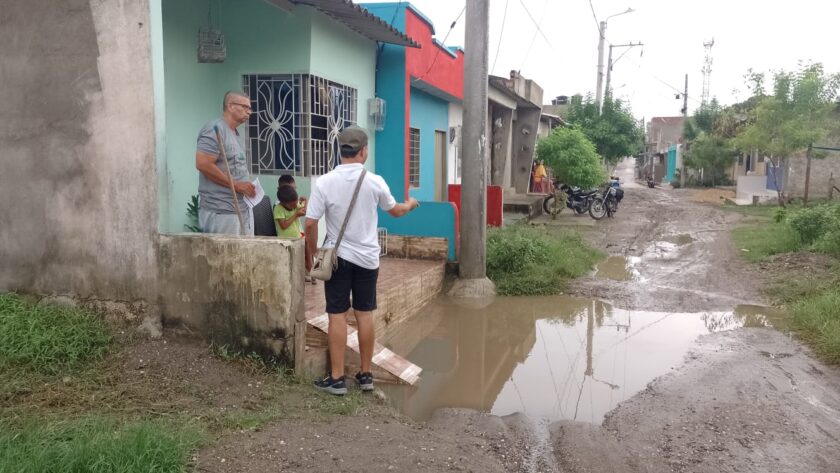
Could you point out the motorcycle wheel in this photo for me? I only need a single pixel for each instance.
(552, 206)
(598, 209)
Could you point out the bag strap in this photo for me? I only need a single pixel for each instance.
(350, 209)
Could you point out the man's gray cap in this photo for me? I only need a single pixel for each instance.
(352, 139)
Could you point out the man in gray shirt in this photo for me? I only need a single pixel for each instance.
(217, 212)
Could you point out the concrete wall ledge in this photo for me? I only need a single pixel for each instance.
(245, 292)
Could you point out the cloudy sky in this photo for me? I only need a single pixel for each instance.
(762, 35)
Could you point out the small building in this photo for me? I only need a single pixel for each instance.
(423, 90)
(662, 133)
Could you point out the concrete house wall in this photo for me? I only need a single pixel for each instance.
(260, 38)
(77, 140)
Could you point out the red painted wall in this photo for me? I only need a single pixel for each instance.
(446, 72)
(495, 205)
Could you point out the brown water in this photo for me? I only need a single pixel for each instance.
(618, 268)
(551, 358)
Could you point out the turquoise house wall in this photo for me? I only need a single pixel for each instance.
(428, 114)
(431, 219)
(391, 86)
(260, 38)
(672, 163)
(342, 55)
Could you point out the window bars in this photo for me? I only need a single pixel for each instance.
(414, 157)
(383, 241)
(296, 121)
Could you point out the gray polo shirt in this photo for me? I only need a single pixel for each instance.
(216, 198)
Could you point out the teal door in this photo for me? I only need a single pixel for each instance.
(672, 163)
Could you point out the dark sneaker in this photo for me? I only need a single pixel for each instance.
(365, 381)
(332, 386)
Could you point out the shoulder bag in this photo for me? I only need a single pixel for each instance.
(326, 258)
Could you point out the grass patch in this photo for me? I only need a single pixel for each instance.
(758, 241)
(817, 318)
(534, 261)
(94, 445)
(48, 339)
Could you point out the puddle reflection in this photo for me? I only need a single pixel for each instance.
(549, 357)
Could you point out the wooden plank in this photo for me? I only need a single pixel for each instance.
(384, 358)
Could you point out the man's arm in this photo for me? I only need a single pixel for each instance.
(206, 164)
(401, 209)
(311, 231)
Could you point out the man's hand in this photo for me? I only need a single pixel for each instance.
(244, 187)
(412, 203)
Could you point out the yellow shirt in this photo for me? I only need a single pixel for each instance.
(539, 173)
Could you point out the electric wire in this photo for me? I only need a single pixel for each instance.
(595, 17)
(501, 34)
(536, 24)
(442, 44)
(534, 37)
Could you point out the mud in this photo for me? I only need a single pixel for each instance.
(746, 400)
(709, 388)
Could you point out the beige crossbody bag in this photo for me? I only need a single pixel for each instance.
(326, 258)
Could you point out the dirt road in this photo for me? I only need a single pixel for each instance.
(746, 400)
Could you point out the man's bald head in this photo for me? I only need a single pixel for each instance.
(230, 96)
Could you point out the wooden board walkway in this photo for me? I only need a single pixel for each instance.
(384, 358)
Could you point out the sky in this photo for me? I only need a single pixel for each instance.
(762, 35)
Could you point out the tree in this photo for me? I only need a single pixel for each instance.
(572, 157)
(614, 131)
(794, 117)
(711, 153)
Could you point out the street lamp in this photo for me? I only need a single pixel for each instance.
(602, 31)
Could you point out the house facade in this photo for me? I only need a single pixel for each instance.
(104, 101)
(423, 89)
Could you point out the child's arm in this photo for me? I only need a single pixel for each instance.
(287, 222)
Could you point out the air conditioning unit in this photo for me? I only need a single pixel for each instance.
(376, 107)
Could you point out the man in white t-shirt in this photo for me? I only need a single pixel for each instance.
(358, 254)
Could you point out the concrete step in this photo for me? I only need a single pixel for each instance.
(405, 287)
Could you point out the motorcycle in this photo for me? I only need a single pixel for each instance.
(606, 204)
(650, 182)
(566, 196)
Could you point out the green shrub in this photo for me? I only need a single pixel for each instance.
(530, 261)
(48, 339)
(811, 223)
(829, 243)
(817, 317)
(780, 214)
(95, 445)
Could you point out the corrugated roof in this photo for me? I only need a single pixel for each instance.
(360, 20)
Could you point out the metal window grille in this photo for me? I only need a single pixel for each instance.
(383, 241)
(414, 157)
(296, 121)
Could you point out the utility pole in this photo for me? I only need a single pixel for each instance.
(685, 145)
(808, 155)
(610, 64)
(602, 36)
(602, 32)
(473, 282)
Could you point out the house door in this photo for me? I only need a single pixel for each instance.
(440, 166)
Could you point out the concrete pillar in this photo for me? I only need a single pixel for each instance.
(473, 282)
(524, 146)
(500, 152)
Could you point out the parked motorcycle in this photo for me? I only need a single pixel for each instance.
(650, 182)
(566, 196)
(606, 203)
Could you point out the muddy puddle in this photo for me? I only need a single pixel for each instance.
(619, 268)
(551, 358)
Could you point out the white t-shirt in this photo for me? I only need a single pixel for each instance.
(331, 197)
